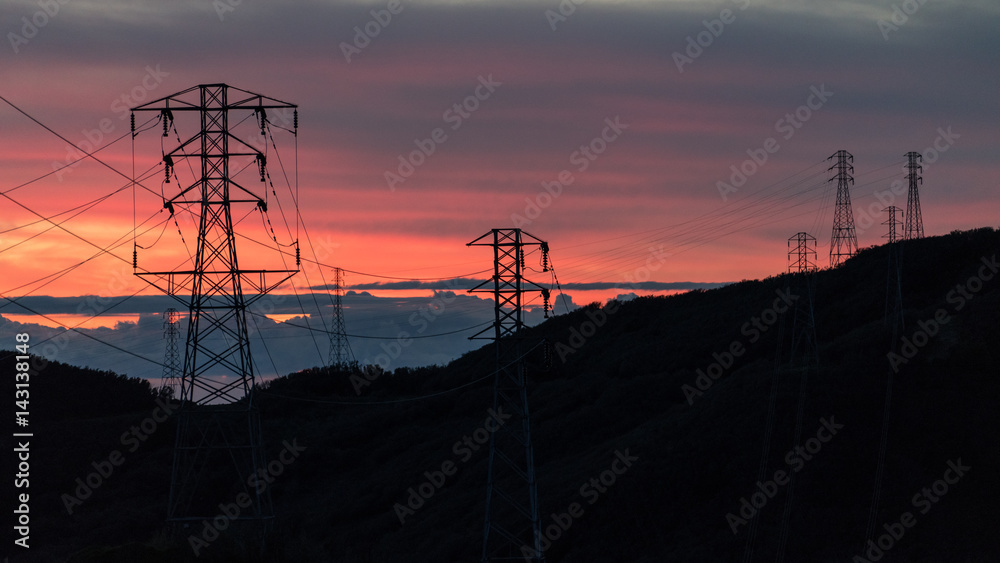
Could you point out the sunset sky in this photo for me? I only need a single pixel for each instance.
(643, 118)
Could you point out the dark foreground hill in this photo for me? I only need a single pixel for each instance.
(684, 388)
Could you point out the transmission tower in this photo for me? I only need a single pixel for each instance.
(512, 530)
(171, 358)
(844, 243)
(340, 350)
(798, 257)
(914, 222)
(892, 223)
(894, 282)
(803, 362)
(218, 446)
(894, 323)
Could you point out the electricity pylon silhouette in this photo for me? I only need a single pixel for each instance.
(894, 281)
(798, 257)
(171, 357)
(218, 455)
(512, 530)
(894, 324)
(914, 228)
(844, 242)
(340, 350)
(893, 234)
(803, 361)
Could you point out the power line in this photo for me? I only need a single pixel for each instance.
(410, 279)
(394, 401)
(81, 333)
(844, 240)
(88, 154)
(325, 331)
(59, 274)
(325, 265)
(70, 163)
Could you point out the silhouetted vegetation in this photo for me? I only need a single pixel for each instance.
(620, 387)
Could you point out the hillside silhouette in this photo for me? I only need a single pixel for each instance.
(627, 381)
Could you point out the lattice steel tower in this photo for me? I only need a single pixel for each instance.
(894, 281)
(218, 447)
(803, 362)
(798, 257)
(171, 357)
(340, 350)
(914, 221)
(512, 530)
(893, 223)
(844, 242)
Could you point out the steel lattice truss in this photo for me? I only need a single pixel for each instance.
(218, 447)
(340, 350)
(914, 227)
(893, 223)
(512, 530)
(171, 357)
(798, 257)
(216, 291)
(844, 242)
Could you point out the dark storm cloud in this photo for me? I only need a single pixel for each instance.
(452, 284)
(818, 39)
(647, 285)
(374, 328)
(88, 305)
(606, 59)
(466, 283)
